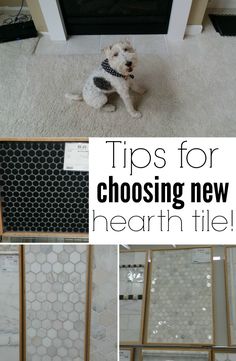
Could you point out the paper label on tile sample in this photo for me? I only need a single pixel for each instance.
(201, 256)
(8, 263)
(124, 355)
(76, 157)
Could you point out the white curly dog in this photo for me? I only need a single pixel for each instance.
(113, 75)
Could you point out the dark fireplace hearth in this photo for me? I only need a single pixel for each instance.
(116, 16)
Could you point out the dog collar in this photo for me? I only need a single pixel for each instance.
(106, 66)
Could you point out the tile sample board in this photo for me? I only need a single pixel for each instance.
(180, 309)
(9, 306)
(231, 291)
(126, 354)
(37, 194)
(132, 295)
(175, 355)
(56, 295)
(225, 356)
(103, 329)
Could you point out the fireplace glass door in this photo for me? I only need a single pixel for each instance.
(116, 16)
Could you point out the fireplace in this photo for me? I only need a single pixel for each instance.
(94, 17)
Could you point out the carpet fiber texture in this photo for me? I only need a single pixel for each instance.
(191, 92)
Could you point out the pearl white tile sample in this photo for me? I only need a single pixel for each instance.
(55, 302)
(225, 356)
(9, 305)
(180, 306)
(231, 279)
(174, 355)
(103, 336)
(132, 282)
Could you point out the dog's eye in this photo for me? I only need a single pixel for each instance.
(125, 49)
(115, 54)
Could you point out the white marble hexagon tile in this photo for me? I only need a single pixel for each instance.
(103, 337)
(55, 302)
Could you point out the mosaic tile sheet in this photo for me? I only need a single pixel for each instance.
(38, 194)
(55, 302)
(165, 355)
(180, 309)
(131, 283)
(9, 306)
(221, 356)
(231, 273)
(103, 334)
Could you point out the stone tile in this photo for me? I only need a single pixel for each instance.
(180, 309)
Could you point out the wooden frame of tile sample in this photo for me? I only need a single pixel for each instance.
(130, 351)
(3, 232)
(141, 335)
(231, 338)
(212, 285)
(223, 351)
(179, 349)
(21, 297)
(87, 310)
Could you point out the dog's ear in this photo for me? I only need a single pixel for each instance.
(107, 50)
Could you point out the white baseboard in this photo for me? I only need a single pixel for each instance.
(193, 29)
(222, 4)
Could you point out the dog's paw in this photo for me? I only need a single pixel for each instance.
(136, 115)
(109, 108)
(142, 91)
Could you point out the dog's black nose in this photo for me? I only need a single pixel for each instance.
(128, 63)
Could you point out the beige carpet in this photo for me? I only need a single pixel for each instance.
(190, 93)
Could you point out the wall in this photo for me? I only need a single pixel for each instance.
(197, 12)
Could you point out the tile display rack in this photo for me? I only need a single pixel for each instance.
(90, 279)
(175, 354)
(38, 198)
(133, 273)
(191, 332)
(48, 239)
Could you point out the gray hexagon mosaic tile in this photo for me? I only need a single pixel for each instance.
(103, 338)
(183, 355)
(231, 274)
(55, 302)
(9, 304)
(180, 308)
(132, 268)
(225, 356)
